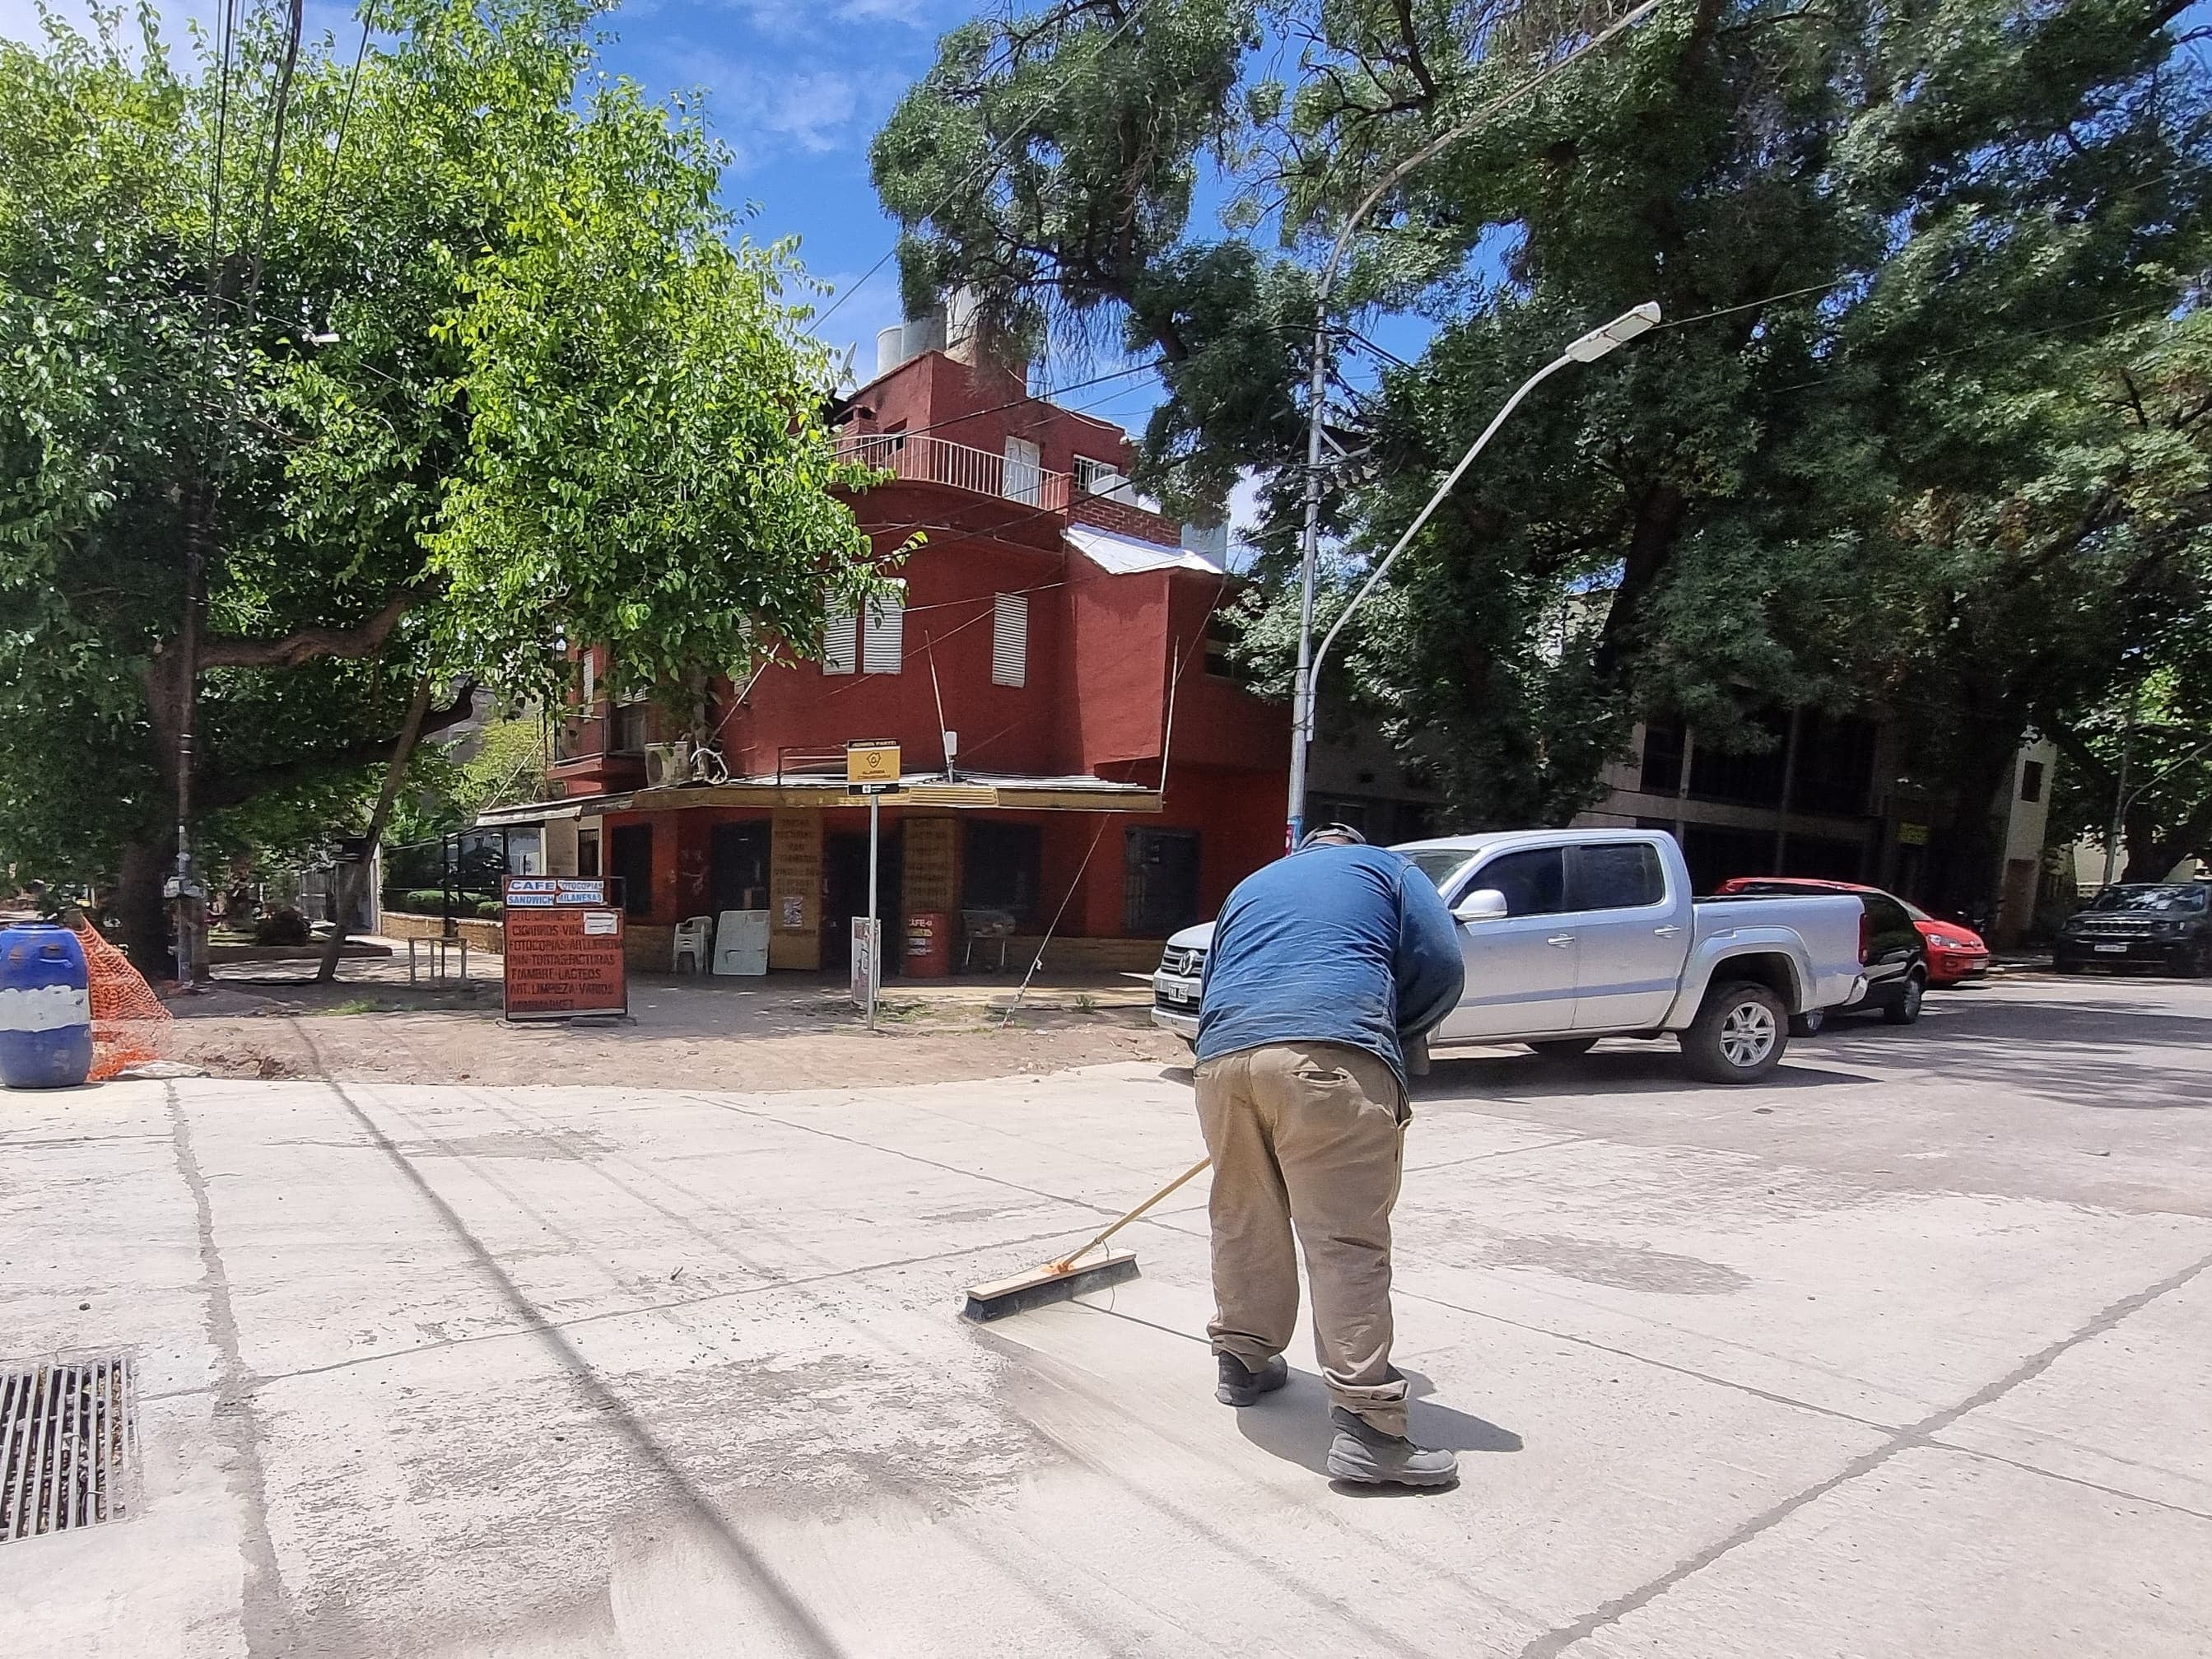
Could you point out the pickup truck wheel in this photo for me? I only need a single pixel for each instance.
(1906, 1010)
(1738, 1036)
(1564, 1048)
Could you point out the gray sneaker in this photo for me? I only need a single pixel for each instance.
(1240, 1387)
(1363, 1454)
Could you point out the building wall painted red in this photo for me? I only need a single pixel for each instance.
(1082, 853)
(951, 583)
(1104, 649)
(1111, 700)
(1217, 721)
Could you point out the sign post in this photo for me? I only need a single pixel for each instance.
(563, 949)
(871, 768)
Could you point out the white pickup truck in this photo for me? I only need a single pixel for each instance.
(1571, 935)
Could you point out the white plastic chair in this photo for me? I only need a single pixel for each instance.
(695, 936)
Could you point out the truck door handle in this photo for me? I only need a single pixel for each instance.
(1668, 932)
(1562, 940)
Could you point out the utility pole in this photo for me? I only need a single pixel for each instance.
(1302, 683)
(185, 894)
(2117, 827)
(875, 927)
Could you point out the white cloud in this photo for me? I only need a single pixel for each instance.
(908, 12)
(757, 109)
(808, 19)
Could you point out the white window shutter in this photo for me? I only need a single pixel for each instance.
(1010, 639)
(1024, 472)
(841, 652)
(883, 642)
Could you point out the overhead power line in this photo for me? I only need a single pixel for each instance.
(345, 116)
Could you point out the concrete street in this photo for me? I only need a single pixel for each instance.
(1905, 1354)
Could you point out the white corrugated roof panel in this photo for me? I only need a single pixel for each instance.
(1125, 556)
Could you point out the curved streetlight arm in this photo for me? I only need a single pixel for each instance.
(2174, 765)
(1321, 652)
(1588, 348)
(2123, 798)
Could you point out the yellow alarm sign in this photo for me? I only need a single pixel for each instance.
(872, 762)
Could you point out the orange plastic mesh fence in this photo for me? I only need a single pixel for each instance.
(129, 1024)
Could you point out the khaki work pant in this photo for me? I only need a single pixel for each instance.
(1308, 1135)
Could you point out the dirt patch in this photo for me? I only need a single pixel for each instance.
(682, 1034)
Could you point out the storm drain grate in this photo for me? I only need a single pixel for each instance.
(69, 1437)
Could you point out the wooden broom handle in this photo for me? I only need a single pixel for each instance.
(1195, 1169)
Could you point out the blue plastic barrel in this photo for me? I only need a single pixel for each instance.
(46, 1011)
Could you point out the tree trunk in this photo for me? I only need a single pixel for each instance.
(1965, 881)
(2153, 850)
(141, 910)
(1658, 527)
(350, 876)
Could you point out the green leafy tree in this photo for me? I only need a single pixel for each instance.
(501, 764)
(1882, 237)
(319, 383)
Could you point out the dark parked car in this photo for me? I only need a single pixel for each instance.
(1892, 952)
(2164, 924)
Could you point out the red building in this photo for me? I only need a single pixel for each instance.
(1105, 772)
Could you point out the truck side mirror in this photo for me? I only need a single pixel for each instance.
(1483, 904)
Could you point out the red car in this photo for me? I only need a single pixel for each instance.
(1956, 953)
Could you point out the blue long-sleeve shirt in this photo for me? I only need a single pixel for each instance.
(1335, 943)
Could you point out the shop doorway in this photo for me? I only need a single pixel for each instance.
(736, 869)
(845, 895)
(630, 862)
(1159, 882)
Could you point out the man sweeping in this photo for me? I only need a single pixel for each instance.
(1324, 965)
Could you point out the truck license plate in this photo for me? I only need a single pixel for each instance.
(2114, 949)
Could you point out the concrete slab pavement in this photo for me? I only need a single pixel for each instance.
(1819, 1367)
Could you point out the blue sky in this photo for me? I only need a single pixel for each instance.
(797, 88)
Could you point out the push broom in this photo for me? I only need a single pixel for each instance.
(1056, 1281)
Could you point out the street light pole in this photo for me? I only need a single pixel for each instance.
(2120, 791)
(1302, 681)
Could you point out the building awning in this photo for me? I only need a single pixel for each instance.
(1125, 555)
(967, 791)
(534, 812)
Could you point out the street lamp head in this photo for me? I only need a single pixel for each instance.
(1618, 332)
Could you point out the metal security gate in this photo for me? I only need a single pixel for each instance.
(69, 1440)
(1159, 882)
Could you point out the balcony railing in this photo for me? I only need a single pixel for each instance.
(922, 459)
